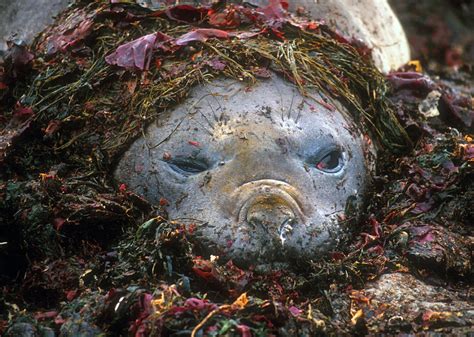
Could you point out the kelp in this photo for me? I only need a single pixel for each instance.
(73, 71)
(109, 261)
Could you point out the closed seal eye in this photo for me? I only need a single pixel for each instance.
(187, 166)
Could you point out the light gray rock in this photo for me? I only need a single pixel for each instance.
(26, 18)
(371, 21)
(405, 300)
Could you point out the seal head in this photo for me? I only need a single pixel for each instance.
(264, 173)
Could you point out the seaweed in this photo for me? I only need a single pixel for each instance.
(88, 255)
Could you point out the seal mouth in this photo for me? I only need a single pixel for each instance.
(270, 194)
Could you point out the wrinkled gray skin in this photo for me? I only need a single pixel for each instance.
(263, 172)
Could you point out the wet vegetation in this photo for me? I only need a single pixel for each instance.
(80, 253)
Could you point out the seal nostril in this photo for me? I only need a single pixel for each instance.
(285, 229)
(270, 213)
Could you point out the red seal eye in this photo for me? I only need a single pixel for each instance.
(332, 162)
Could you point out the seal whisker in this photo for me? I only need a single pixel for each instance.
(205, 117)
(212, 108)
(299, 111)
(169, 135)
(204, 127)
(291, 105)
(213, 95)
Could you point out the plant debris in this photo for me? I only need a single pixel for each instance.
(83, 255)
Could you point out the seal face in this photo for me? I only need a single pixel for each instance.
(263, 172)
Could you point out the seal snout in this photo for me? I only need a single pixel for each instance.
(268, 210)
(272, 214)
(270, 207)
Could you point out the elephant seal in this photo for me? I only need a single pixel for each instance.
(263, 172)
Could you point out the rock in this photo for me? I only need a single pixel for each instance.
(371, 21)
(76, 326)
(26, 18)
(407, 303)
(22, 329)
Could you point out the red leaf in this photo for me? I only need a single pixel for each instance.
(58, 223)
(467, 152)
(201, 34)
(69, 37)
(337, 256)
(186, 13)
(166, 156)
(216, 64)
(276, 9)
(22, 113)
(376, 228)
(71, 294)
(261, 72)
(411, 81)
(376, 250)
(164, 202)
(428, 237)
(137, 53)
(158, 63)
(415, 192)
(244, 330)
(422, 234)
(45, 315)
(427, 315)
(312, 25)
(207, 275)
(52, 127)
(423, 207)
(295, 311)
(204, 269)
(192, 227)
(449, 167)
(194, 143)
(229, 19)
(198, 304)
(326, 105)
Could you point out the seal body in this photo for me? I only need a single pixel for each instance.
(263, 173)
